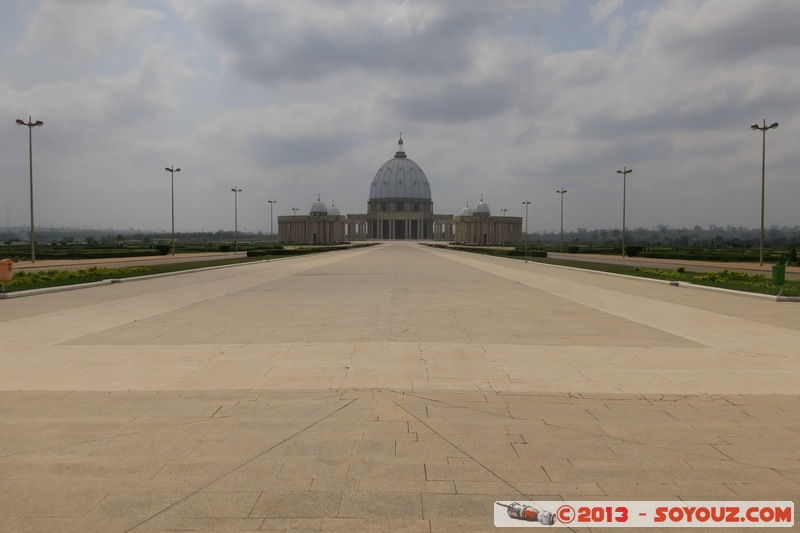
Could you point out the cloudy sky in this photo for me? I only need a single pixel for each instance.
(511, 99)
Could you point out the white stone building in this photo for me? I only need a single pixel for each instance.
(400, 206)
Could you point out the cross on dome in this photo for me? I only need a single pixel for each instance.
(400, 152)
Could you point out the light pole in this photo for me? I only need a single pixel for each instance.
(236, 191)
(561, 193)
(504, 211)
(31, 124)
(526, 204)
(172, 170)
(271, 201)
(763, 129)
(295, 210)
(624, 172)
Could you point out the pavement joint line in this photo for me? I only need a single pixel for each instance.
(466, 454)
(248, 461)
(607, 408)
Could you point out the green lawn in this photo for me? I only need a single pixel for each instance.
(24, 280)
(738, 281)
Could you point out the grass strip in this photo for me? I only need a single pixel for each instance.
(42, 279)
(738, 281)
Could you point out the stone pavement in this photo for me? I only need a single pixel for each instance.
(391, 388)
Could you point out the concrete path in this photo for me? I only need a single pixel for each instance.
(395, 387)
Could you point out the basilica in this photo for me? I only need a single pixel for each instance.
(400, 206)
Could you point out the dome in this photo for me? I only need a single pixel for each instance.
(334, 211)
(400, 177)
(319, 208)
(482, 208)
(467, 211)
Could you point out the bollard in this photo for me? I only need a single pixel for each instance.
(779, 276)
(6, 272)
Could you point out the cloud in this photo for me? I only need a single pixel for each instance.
(507, 98)
(80, 31)
(708, 33)
(307, 40)
(454, 102)
(602, 10)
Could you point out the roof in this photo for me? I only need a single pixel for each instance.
(400, 177)
(319, 208)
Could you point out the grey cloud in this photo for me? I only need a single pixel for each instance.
(691, 115)
(271, 151)
(454, 102)
(726, 31)
(262, 45)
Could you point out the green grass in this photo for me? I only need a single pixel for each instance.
(25, 280)
(738, 281)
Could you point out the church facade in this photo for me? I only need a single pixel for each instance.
(400, 206)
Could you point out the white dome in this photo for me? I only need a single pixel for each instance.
(319, 208)
(467, 211)
(400, 177)
(334, 211)
(482, 208)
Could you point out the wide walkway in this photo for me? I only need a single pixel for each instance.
(394, 387)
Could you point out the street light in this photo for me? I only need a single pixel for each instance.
(172, 170)
(562, 192)
(763, 129)
(526, 204)
(295, 210)
(31, 124)
(236, 191)
(624, 172)
(504, 211)
(271, 201)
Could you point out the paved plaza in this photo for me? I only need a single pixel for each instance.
(397, 387)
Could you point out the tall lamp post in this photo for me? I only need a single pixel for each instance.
(763, 129)
(504, 211)
(172, 170)
(295, 210)
(236, 191)
(526, 204)
(271, 201)
(625, 171)
(561, 193)
(31, 124)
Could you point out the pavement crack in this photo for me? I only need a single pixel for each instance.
(464, 452)
(244, 463)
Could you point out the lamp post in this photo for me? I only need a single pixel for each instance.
(561, 193)
(172, 170)
(504, 211)
(295, 210)
(31, 124)
(236, 192)
(271, 201)
(625, 171)
(526, 204)
(763, 129)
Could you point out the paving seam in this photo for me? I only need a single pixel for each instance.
(260, 454)
(681, 325)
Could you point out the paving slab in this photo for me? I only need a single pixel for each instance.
(392, 388)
